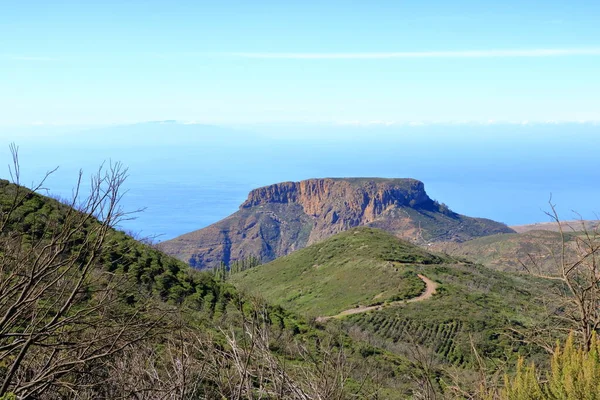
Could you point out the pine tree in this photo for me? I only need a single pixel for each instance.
(574, 375)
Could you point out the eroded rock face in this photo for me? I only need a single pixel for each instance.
(361, 196)
(278, 219)
(338, 204)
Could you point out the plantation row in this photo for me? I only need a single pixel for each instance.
(443, 338)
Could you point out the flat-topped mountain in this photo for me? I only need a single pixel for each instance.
(278, 219)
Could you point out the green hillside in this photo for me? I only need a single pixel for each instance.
(82, 292)
(362, 266)
(154, 313)
(36, 218)
(473, 305)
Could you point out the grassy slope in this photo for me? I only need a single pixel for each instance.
(362, 266)
(508, 252)
(472, 303)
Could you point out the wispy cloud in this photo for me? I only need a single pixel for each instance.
(417, 123)
(594, 51)
(20, 57)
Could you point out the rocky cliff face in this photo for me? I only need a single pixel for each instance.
(338, 204)
(362, 196)
(284, 217)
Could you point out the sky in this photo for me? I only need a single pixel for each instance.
(256, 62)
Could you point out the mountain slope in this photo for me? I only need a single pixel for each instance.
(534, 251)
(472, 305)
(278, 219)
(178, 323)
(75, 294)
(568, 226)
(362, 266)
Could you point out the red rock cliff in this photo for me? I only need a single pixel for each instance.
(337, 204)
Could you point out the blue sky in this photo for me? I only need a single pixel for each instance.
(247, 62)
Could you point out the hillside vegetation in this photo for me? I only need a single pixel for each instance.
(537, 252)
(141, 324)
(473, 308)
(110, 317)
(79, 299)
(362, 266)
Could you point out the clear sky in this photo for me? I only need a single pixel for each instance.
(238, 62)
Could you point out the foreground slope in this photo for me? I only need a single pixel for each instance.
(154, 313)
(76, 295)
(472, 306)
(281, 218)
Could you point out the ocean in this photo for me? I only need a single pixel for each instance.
(186, 177)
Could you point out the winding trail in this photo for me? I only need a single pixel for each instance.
(430, 288)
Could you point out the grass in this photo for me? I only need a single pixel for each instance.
(473, 305)
(362, 266)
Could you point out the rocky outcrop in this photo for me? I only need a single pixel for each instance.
(338, 204)
(362, 196)
(278, 219)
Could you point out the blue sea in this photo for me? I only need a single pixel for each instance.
(186, 177)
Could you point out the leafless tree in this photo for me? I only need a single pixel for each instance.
(575, 304)
(247, 367)
(65, 331)
(59, 310)
(172, 368)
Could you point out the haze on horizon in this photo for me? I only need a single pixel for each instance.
(236, 62)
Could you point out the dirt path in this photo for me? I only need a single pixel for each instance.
(430, 287)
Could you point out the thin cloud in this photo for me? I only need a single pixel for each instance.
(17, 57)
(595, 51)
